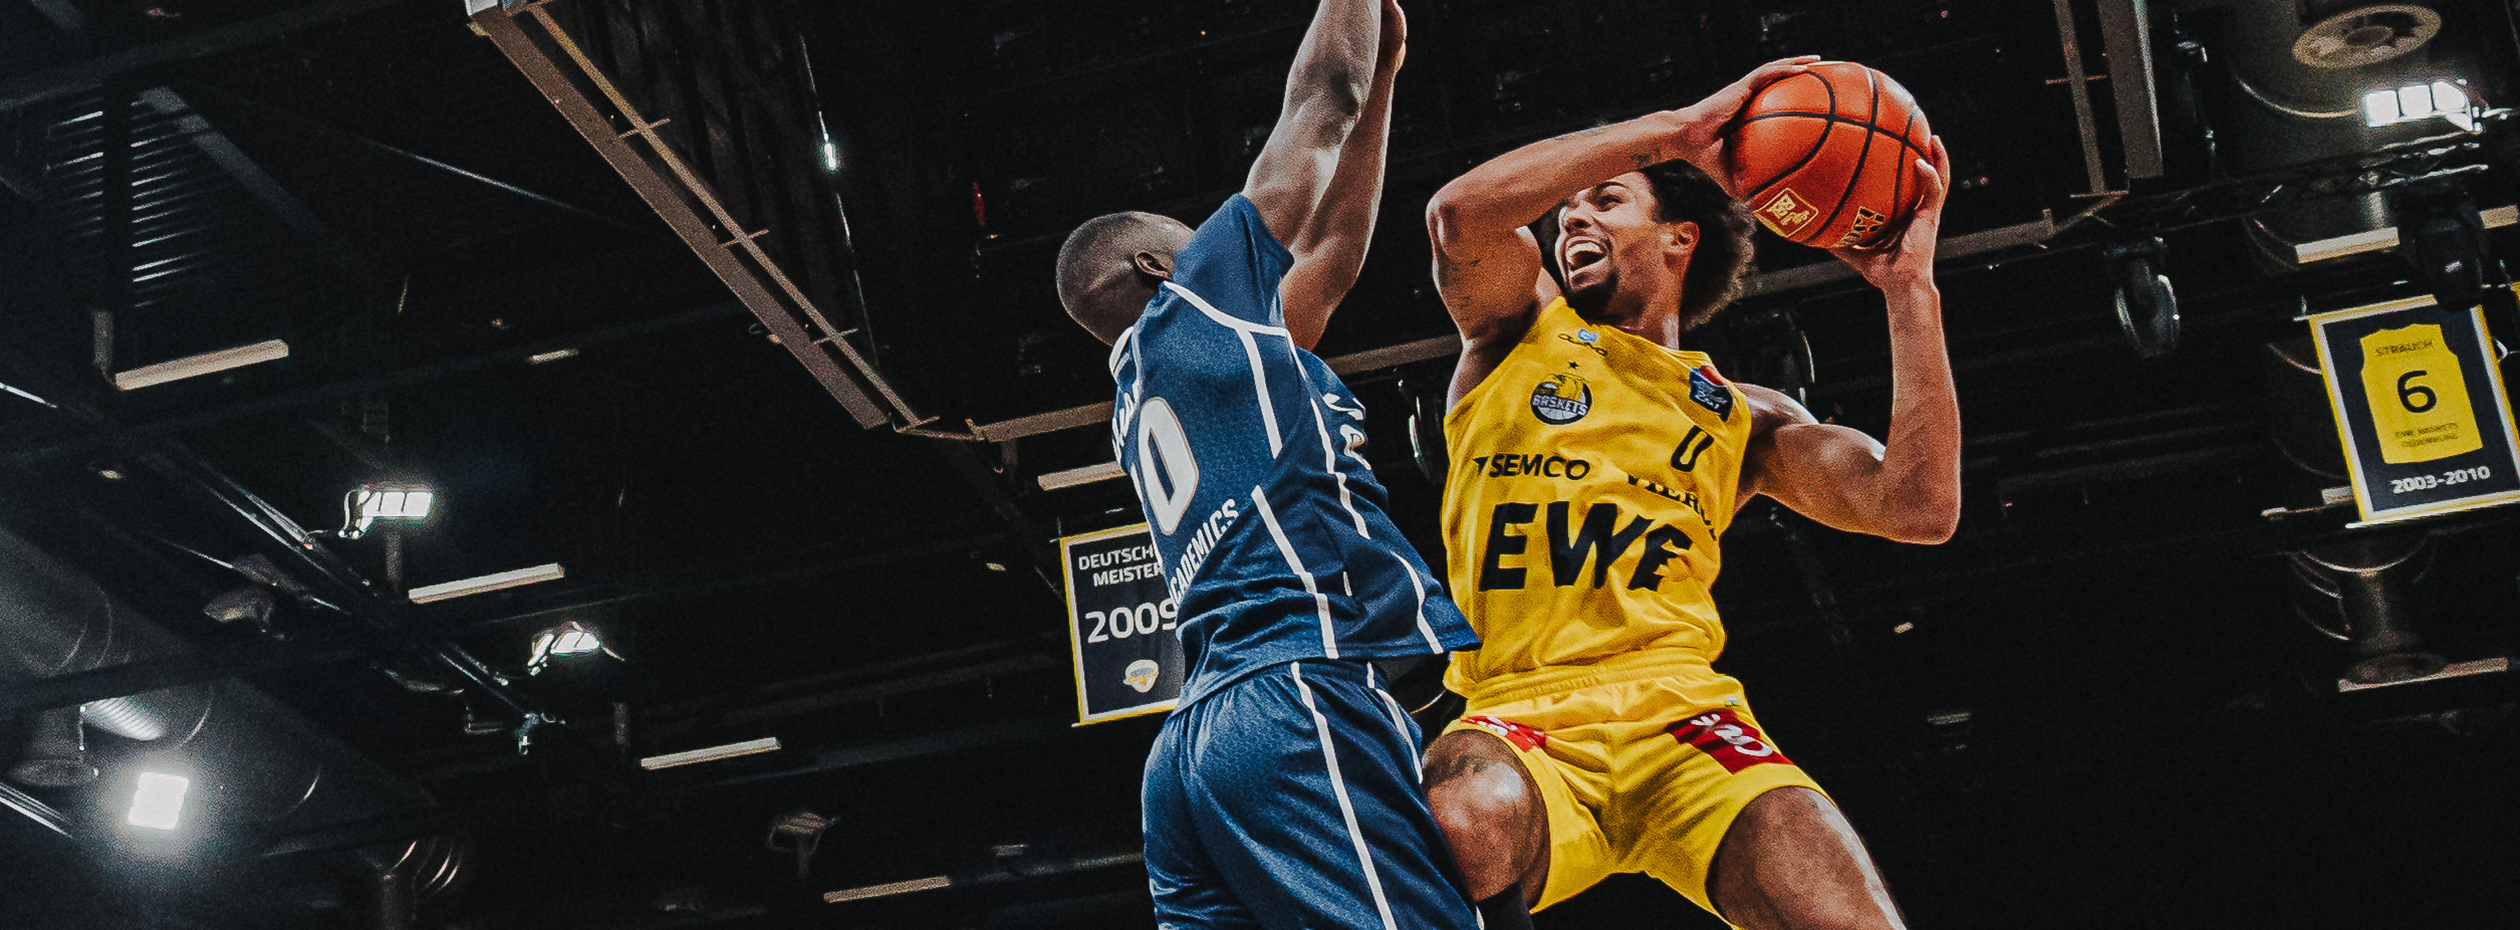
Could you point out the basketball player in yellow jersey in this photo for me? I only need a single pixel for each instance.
(1595, 468)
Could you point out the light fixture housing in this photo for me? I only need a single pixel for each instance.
(573, 638)
(370, 504)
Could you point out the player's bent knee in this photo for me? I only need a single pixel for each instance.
(1489, 810)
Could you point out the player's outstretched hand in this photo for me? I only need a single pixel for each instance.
(1910, 260)
(1698, 135)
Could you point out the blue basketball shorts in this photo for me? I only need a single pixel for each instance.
(1291, 799)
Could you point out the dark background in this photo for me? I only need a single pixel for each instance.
(2108, 702)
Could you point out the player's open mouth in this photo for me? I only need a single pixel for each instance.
(1584, 252)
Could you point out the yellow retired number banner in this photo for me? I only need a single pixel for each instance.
(2420, 407)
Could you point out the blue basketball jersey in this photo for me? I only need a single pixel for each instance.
(1247, 455)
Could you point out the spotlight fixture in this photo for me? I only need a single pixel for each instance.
(2442, 237)
(800, 831)
(2147, 309)
(2389, 106)
(158, 802)
(374, 503)
(573, 638)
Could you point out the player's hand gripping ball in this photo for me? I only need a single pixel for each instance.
(1827, 157)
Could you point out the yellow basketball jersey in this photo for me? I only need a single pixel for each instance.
(1592, 474)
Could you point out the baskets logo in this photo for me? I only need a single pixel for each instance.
(1561, 400)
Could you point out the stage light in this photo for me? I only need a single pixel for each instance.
(158, 802)
(194, 366)
(370, 504)
(2389, 106)
(2147, 307)
(431, 593)
(573, 638)
(2441, 235)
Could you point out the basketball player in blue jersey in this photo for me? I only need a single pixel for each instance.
(1283, 790)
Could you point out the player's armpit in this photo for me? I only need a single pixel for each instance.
(1841, 477)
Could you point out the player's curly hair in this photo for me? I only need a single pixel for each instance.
(1722, 258)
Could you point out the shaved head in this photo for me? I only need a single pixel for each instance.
(1111, 266)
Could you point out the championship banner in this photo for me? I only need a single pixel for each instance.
(1120, 625)
(2420, 405)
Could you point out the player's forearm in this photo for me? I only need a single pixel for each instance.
(1919, 481)
(1514, 189)
(1348, 209)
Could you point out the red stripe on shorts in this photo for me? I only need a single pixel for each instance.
(1523, 737)
(1731, 740)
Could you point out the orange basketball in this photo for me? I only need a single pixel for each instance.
(1828, 157)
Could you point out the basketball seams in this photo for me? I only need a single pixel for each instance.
(1830, 126)
(1904, 141)
(1898, 182)
(1863, 156)
(1848, 165)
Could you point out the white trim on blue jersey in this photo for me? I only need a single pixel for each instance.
(1321, 602)
(1424, 628)
(1243, 329)
(1338, 788)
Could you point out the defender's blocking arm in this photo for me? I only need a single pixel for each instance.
(1325, 94)
(1907, 489)
(1344, 221)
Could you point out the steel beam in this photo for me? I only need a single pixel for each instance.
(344, 645)
(2126, 35)
(51, 83)
(2076, 83)
(1432, 347)
(247, 173)
(693, 209)
(109, 437)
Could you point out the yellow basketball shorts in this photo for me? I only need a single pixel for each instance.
(1639, 776)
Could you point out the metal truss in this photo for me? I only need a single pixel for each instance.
(768, 283)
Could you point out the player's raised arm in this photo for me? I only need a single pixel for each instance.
(1325, 94)
(1907, 488)
(1487, 263)
(1344, 221)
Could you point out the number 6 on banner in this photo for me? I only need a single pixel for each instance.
(1165, 465)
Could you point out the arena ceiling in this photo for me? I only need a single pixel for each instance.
(2108, 702)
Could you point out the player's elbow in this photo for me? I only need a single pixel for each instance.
(1925, 523)
(1447, 213)
(1333, 93)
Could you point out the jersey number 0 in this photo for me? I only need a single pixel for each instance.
(1167, 469)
